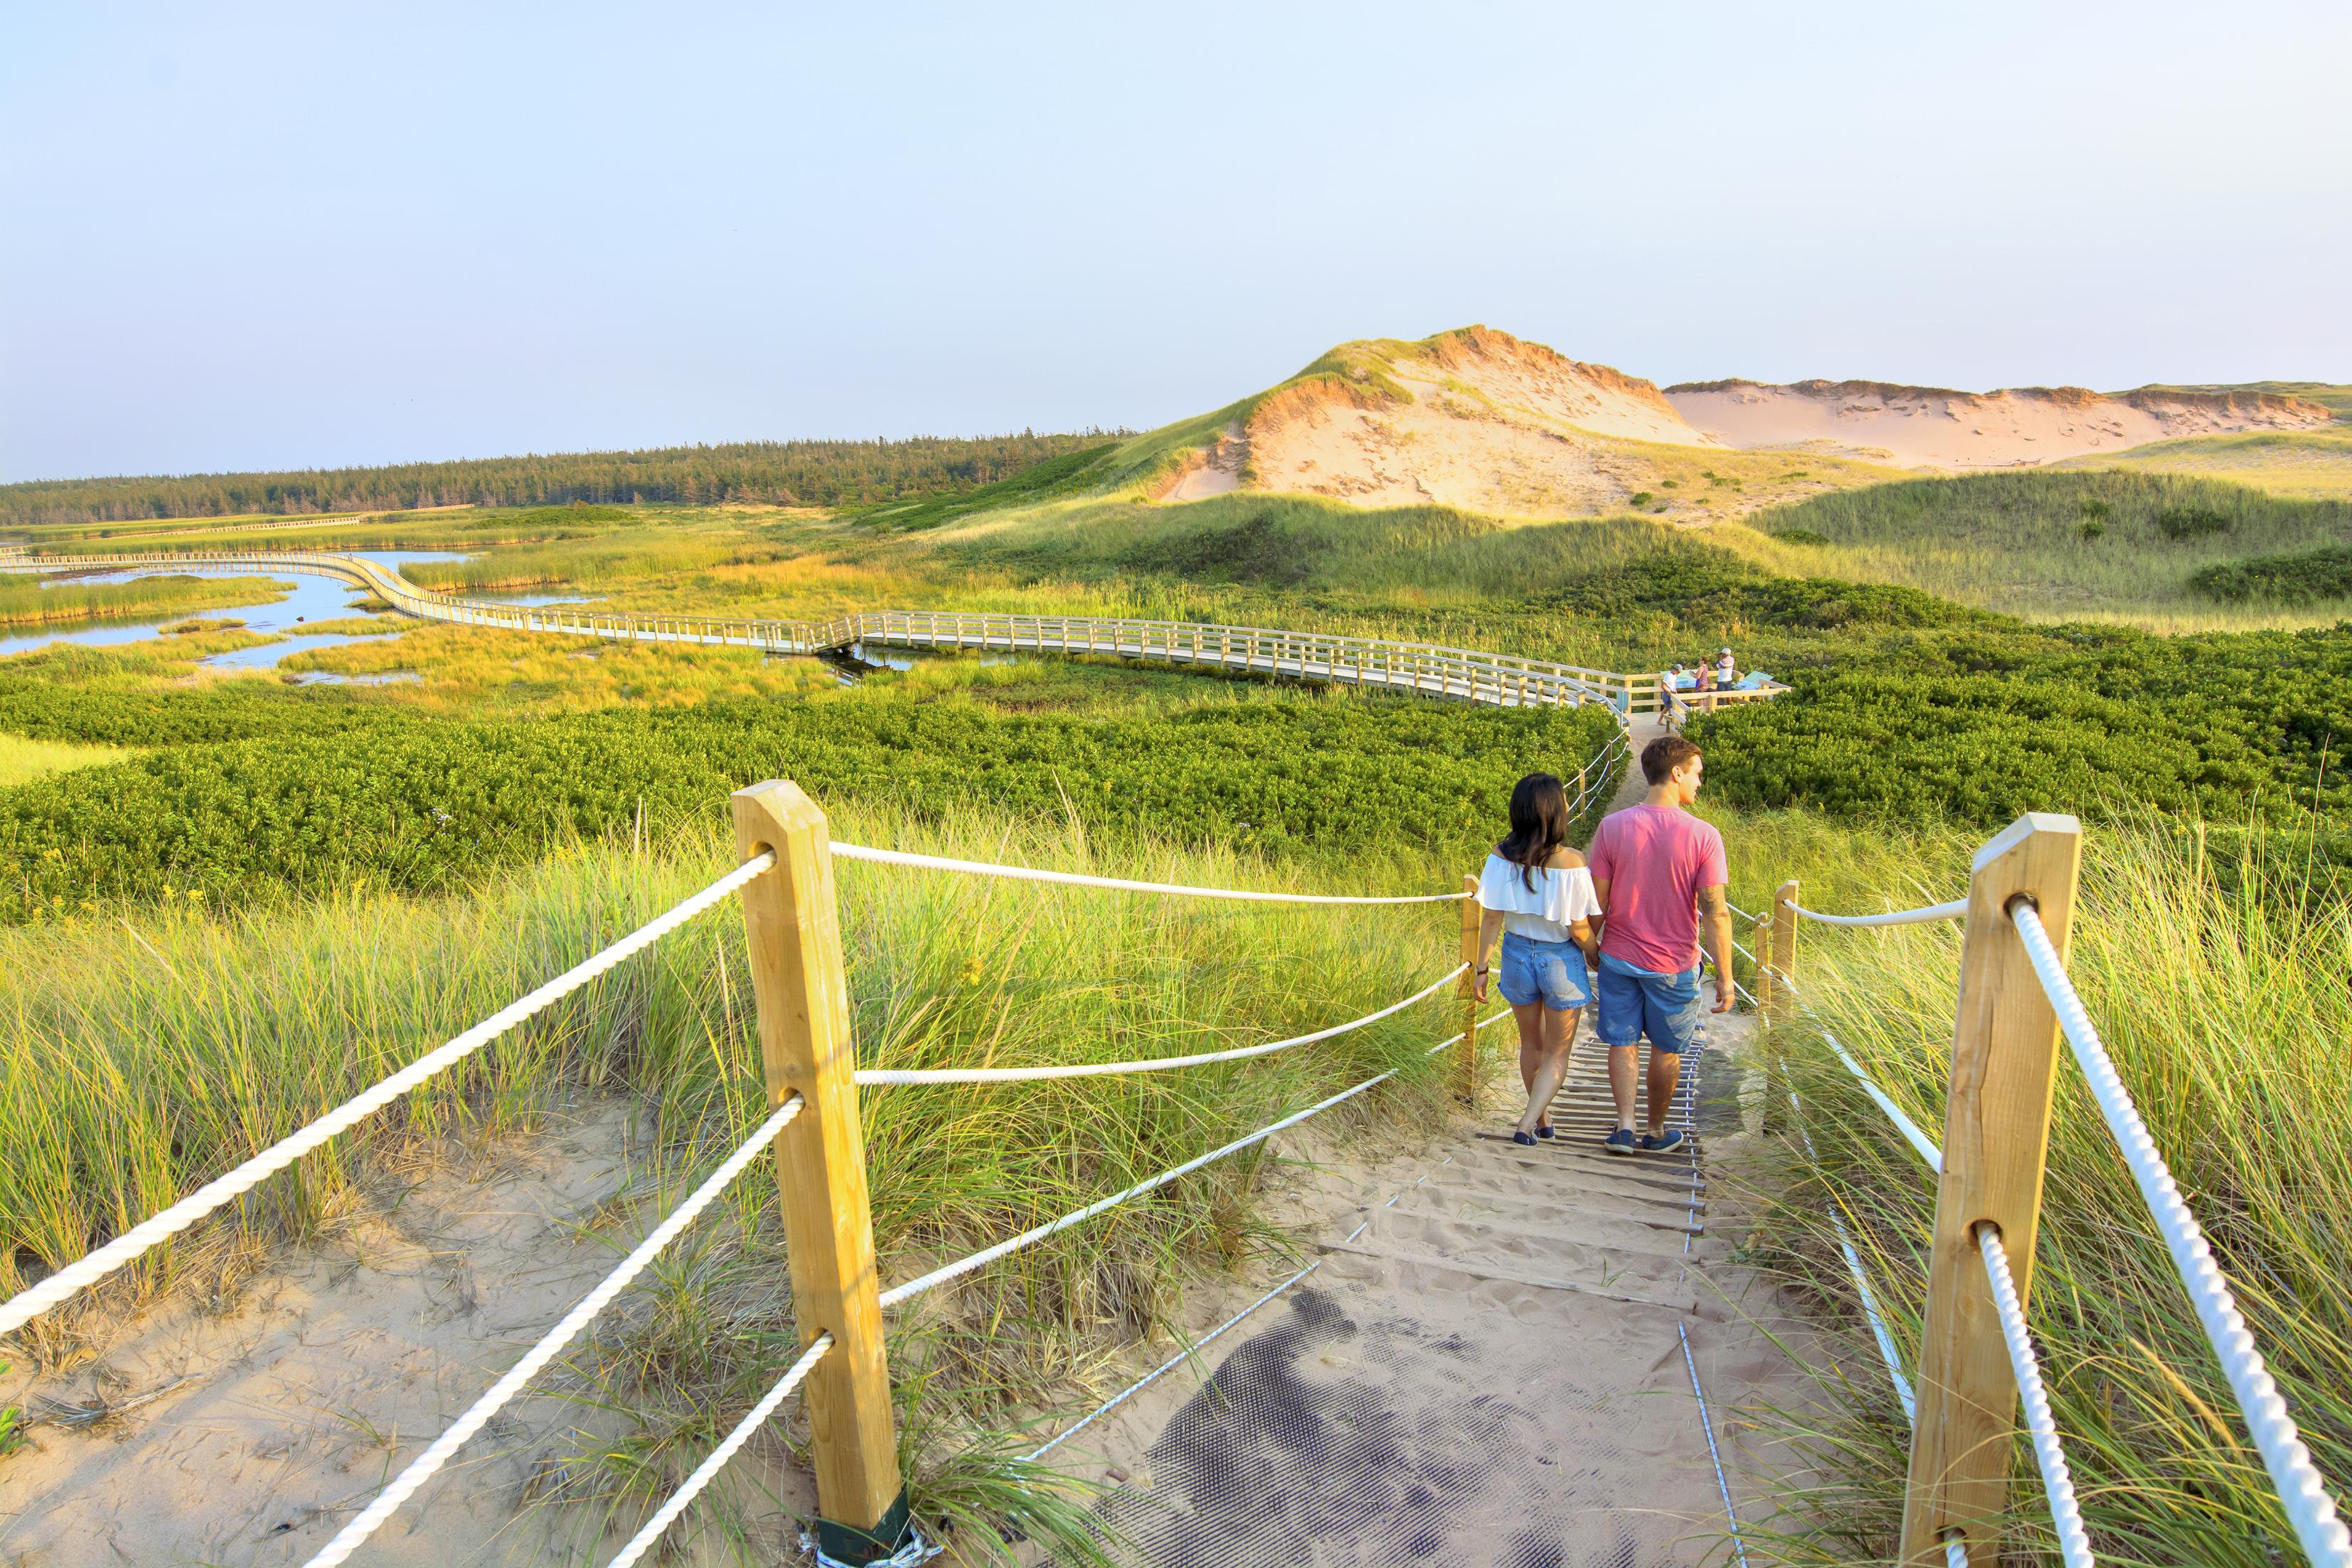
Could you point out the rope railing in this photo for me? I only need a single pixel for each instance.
(729, 1447)
(2301, 1492)
(2049, 1453)
(550, 1344)
(1120, 884)
(987, 1255)
(27, 1304)
(878, 1077)
(2311, 1510)
(1426, 669)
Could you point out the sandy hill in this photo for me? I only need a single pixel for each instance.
(1473, 418)
(1481, 420)
(1937, 428)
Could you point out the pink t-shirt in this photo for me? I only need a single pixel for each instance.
(1655, 859)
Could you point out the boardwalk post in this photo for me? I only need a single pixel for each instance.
(1762, 933)
(794, 930)
(1996, 1140)
(1784, 946)
(1470, 915)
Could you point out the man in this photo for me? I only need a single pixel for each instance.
(1655, 869)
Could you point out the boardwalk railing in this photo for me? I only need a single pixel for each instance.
(1426, 669)
(1976, 1361)
(785, 877)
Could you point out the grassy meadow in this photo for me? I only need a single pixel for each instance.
(333, 877)
(2214, 978)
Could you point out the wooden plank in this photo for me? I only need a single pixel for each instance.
(1996, 1140)
(793, 934)
(1784, 944)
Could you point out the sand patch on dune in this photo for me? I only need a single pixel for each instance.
(1939, 429)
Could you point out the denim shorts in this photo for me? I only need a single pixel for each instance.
(1552, 970)
(1636, 1001)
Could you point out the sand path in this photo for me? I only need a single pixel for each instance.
(1487, 1364)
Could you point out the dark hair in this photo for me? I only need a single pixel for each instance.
(1539, 825)
(1662, 756)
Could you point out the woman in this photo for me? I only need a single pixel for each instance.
(1537, 891)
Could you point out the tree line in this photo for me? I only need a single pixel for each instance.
(776, 473)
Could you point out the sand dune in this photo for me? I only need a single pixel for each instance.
(1936, 428)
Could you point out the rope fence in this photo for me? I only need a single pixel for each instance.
(2024, 874)
(785, 880)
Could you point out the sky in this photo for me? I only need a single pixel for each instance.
(266, 237)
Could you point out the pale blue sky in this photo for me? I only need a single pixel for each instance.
(261, 236)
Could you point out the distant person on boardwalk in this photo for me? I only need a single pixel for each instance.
(1707, 688)
(1657, 869)
(1727, 670)
(1537, 891)
(1670, 700)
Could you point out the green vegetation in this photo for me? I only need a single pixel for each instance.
(2304, 579)
(23, 760)
(2014, 542)
(139, 1060)
(1974, 728)
(420, 805)
(24, 602)
(2214, 989)
(774, 473)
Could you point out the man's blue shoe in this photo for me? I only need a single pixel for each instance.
(1666, 1142)
(1620, 1142)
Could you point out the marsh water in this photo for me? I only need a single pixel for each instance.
(309, 599)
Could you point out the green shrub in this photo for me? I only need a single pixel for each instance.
(1974, 727)
(1640, 499)
(1801, 536)
(418, 804)
(2279, 579)
(2092, 529)
(2185, 522)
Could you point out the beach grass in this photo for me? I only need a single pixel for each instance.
(2215, 980)
(144, 1053)
(22, 761)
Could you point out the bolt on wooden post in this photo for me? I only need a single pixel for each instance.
(793, 929)
(1470, 915)
(1996, 1143)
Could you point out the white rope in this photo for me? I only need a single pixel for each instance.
(551, 1343)
(941, 1276)
(691, 1487)
(1886, 1351)
(1911, 1130)
(2301, 1489)
(1956, 909)
(1075, 880)
(30, 1303)
(1956, 1552)
(2057, 1481)
(875, 1076)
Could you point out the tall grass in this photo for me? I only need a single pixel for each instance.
(138, 1059)
(2220, 990)
(23, 602)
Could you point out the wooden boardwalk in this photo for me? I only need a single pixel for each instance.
(1427, 669)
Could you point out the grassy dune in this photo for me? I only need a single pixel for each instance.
(141, 1057)
(2307, 464)
(2207, 982)
(22, 761)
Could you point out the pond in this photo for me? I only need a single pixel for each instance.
(309, 599)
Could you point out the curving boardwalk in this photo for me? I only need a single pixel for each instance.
(1464, 675)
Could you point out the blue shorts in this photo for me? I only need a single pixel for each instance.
(1637, 1002)
(1552, 970)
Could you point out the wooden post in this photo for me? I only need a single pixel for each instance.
(794, 946)
(1471, 915)
(1996, 1140)
(1784, 946)
(1762, 933)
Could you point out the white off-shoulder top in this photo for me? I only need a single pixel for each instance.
(1561, 897)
